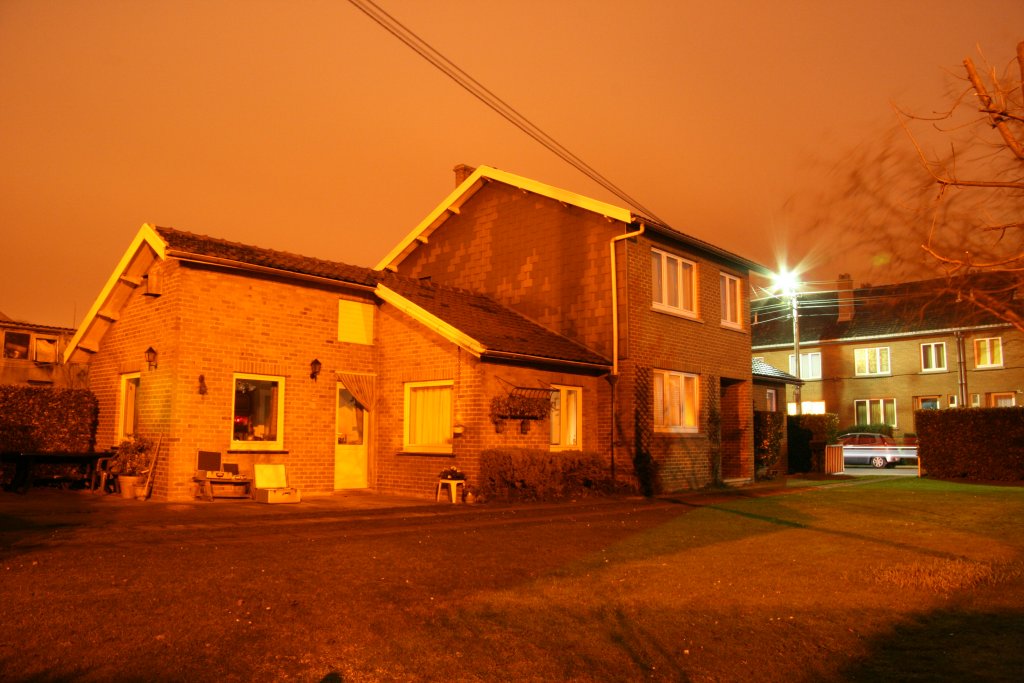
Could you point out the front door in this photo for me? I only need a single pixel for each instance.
(351, 437)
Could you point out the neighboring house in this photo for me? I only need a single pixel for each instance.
(31, 355)
(669, 310)
(632, 338)
(770, 385)
(877, 354)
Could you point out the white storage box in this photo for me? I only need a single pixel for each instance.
(271, 482)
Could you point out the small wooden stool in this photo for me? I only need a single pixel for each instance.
(453, 487)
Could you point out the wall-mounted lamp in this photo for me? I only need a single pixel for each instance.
(314, 369)
(202, 385)
(151, 358)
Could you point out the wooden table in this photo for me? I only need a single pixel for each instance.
(24, 464)
(224, 487)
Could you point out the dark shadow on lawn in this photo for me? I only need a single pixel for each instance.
(946, 645)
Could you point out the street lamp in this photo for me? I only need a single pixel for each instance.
(788, 283)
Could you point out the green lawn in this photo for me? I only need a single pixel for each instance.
(880, 579)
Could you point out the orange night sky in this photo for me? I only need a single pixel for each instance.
(304, 126)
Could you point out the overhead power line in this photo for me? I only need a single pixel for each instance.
(482, 93)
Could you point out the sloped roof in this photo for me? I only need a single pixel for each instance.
(484, 174)
(500, 331)
(906, 309)
(474, 321)
(765, 370)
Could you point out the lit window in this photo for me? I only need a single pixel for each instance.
(128, 415)
(675, 401)
(428, 417)
(988, 353)
(732, 300)
(16, 345)
(807, 407)
(1002, 400)
(258, 422)
(875, 411)
(933, 357)
(673, 283)
(810, 365)
(929, 402)
(872, 361)
(771, 400)
(566, 417)
(355, 321)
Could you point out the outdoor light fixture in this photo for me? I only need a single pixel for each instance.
(314, 369)
(151, 358)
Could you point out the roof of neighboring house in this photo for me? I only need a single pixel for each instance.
(879, 312)
(484, 174)
(474, 321)
(762, 370)
(499, 331)
(9, 324)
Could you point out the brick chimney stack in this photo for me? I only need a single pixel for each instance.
(462, 171)
(844, 286)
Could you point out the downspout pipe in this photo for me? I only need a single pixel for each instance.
(613, 378)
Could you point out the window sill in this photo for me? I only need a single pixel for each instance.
(254, 451)
(676, 432)
(732, 327)
(988, 367)
(429, 454)
(676, 313)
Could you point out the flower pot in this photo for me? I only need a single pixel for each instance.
(140, 491)
(127, 484)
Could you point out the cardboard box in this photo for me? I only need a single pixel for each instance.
(271, 481)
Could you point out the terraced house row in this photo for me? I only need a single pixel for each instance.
(614, 333)
(878, 354)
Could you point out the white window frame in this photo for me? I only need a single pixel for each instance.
(993, 347)
(864, 359)
(995, 396)
(732, 300)
(409, 439)
(686, 287)
(131, 382)
(922, 399)
(355, 321)
(952, 400)
(259, 445)
(928, 357)
(566, 422)
(880, 403)
(687, 421)
(810, 365)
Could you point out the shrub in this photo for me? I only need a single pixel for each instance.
(867, 429)
(47, 420)
(972, 443)
(534, 474)
(768, 431)
(808, 435)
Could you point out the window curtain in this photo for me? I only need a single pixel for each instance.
(430, 416)
(362, 386)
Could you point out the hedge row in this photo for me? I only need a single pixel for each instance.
(807, 436)
(534, 474)
(985, 444)
(47, 420)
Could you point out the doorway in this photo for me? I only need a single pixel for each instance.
(351, 438)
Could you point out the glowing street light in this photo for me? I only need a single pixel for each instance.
(788, 283)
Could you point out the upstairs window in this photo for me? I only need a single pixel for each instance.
(810, 365)
(566, 417)
(675, 401)
(732, 300)
(428, 417)
(258, 412)
(355, 321)
(933, 357)
(16, 345)
(988, 353)
(872, 361)
(673, 283)
(46, 350)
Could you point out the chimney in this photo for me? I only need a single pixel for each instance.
(462, 171)
(844, 287)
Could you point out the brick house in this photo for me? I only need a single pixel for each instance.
(350, 377)
(31, 355)
(668, 309)
(878, 354)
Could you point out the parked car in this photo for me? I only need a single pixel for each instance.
(877, 450)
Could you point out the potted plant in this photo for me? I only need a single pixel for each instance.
(133, 460)
(453, 473)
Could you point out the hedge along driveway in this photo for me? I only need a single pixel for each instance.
(871, 580)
